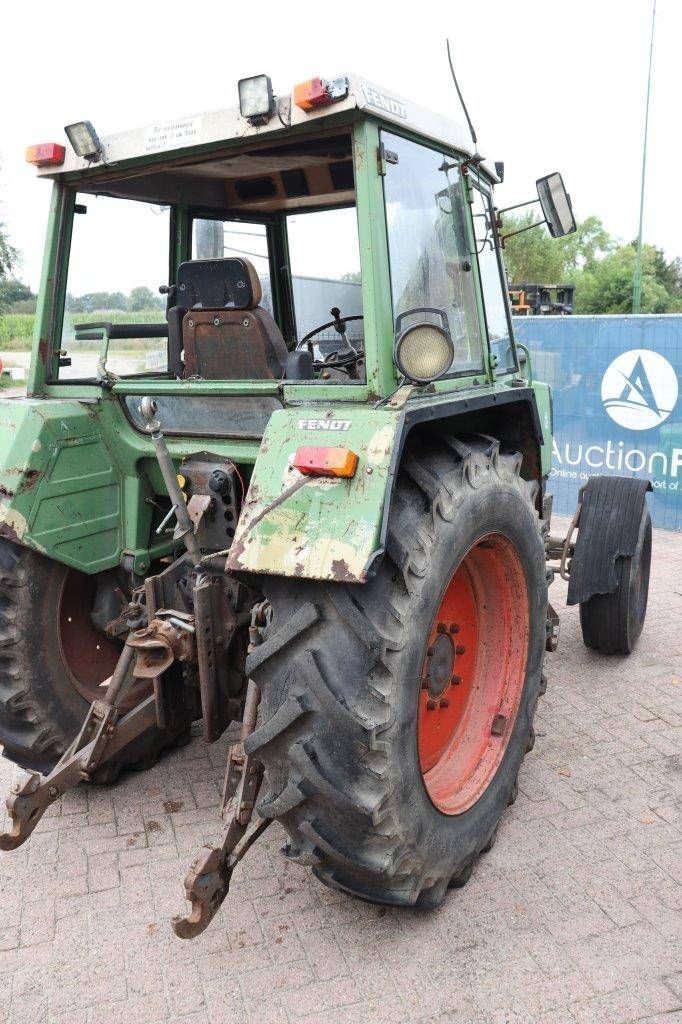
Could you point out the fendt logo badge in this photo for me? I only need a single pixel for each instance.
(324, 424)
(639, 389)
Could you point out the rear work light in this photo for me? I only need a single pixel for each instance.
(318, 92)
(46, 154)
(317, 461)
(84, 140)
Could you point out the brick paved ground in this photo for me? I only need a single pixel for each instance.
(573, 918)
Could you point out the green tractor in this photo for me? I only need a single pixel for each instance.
(302, 491)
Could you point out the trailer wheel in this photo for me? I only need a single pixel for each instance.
(395, 715)
(612, 623)
(52, 661)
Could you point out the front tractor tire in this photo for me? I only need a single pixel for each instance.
(52, 662)
(395, 715)
(612, 623)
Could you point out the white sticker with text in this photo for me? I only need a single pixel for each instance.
(181, 131)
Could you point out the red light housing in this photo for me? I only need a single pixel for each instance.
(318, 92)
(46, 154)
(318, 461)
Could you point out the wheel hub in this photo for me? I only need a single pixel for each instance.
(440, 663)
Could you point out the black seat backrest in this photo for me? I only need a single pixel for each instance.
(218, 284)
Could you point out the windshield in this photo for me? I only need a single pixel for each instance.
(119, 257)
(429, 250)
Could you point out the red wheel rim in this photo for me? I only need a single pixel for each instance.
(473, 674)
(88, 656)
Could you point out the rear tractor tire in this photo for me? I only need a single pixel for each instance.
(52, 662)
(395, 715)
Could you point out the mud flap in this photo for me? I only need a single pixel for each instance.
(610, 517)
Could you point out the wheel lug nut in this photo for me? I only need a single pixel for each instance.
(456, 680)
(499, 725)
(430, 705)
(459, 649)
(441, 628)
(444, 702)
(454, 628)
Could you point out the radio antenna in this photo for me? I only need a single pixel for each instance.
(461, 98)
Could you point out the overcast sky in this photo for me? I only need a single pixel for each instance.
(550, 86)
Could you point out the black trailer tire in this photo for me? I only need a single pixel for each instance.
(612, 623)
(341, 675)
(41, 709)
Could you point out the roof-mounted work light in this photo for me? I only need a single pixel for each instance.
(84, 140)
(256, 99)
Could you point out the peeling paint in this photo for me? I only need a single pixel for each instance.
(13, 524)
(380, 445)
(31, 478)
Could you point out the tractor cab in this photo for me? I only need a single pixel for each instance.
(338, 237)
(269, 248)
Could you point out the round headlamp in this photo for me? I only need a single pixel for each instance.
(424, 352)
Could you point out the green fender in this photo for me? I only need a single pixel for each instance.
(329, 529)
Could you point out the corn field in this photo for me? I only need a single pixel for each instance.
(16, 329)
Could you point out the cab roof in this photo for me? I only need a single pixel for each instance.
(162, 141)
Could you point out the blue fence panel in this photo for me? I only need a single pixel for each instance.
(616, 383)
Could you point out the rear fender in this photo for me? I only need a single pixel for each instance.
(329, 529)
(335, 529)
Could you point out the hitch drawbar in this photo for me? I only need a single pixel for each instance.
(156, 639)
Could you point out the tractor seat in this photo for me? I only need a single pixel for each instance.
(225, 333)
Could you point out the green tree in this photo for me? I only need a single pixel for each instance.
(8, 259)
(605, 285)
(13, 291)
(534, 256)
(96, 302)
(142, 299)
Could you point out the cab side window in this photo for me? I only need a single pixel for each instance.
(493, 284)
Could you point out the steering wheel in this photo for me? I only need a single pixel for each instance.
(343, 358)
(339, 324)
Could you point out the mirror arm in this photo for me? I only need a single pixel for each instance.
(516, 206)
(538, 224)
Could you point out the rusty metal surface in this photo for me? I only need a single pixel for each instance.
(162, 642)
(208, 880)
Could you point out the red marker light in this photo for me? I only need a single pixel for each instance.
(318, 92)
(46, 154)
(317, 461)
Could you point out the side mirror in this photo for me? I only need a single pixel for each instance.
(556, 205)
